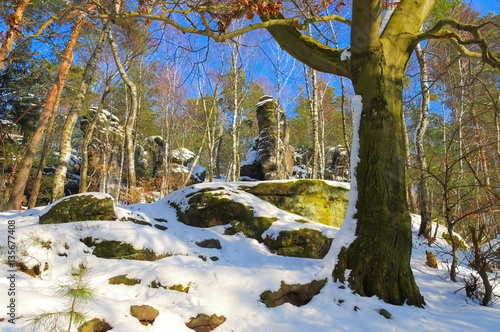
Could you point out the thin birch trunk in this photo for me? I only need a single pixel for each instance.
(425, 211)
(130, 124)
(412, 201)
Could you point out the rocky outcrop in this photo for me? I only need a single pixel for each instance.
(271, 156)
(313, 199)
(81, 207)
(208, 207)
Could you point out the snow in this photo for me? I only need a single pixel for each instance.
(346, 54)
(251, 158)
(347, 233)
(230, 286)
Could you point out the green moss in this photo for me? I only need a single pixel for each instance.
(177, 287)
(252, 228)
(460, 243)
(313, 199)
(208, 208)
(123, 280)
(305, 242)
(121, 250)
(95, 325)
(79, 208)
(209, 243)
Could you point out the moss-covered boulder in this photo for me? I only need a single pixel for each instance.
(305, 243)
(123, 280)
(146, 314)
(95, 325)
(209, 208)
(313, 199)
(297, 294)
(209, 243)
(121, 250)
(205, 323)
(81, 207)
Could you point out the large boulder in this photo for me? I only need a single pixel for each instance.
(207, 206)
(314, 199)
(80, 207)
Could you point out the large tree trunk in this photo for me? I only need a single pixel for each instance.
(423, 192)
(15, 23)
(49, 110)
(74, 112)
(379, 257)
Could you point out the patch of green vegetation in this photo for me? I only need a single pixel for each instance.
(252, 228)
(95, 325)
(460, 243)
(207, 209)
(120, 250)
(305, 243)
(177, 288)
(123, 280)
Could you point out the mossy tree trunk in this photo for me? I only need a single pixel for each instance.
(379, 257)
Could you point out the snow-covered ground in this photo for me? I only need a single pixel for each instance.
(230, 286)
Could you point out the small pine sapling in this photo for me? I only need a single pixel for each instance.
(76, 293)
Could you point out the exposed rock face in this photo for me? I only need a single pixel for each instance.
(205, 323)
(209, 207)
(272, 146)
(154, 152)
(146, 314)
(313, 199)
(297, 295)
(81, 207)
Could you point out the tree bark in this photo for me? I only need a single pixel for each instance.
(15, 23)
(48, 111)
(423, 191)
(74, 112)
(412, 201)
(130, 124)
(379, 256)
(46, 146)
(90, 131)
